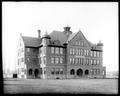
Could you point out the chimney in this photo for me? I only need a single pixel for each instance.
(67, 28)
(39, 33)
(67, 31)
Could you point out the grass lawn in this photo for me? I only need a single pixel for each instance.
(78, 86)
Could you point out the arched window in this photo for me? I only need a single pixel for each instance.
(72, 72)
(86, 72)
(79, 72)
(36, 72)
(30, 71)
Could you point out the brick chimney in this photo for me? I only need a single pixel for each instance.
(39, 33)
(67, 31)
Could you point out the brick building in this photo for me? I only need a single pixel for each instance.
(60, 55)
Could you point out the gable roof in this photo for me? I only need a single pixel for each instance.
(31, 41)
(71, 36)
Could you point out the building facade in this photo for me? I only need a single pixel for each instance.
(60, 55)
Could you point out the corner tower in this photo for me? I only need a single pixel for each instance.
(44, 54)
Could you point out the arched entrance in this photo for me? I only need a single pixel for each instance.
(72, 72)
(36, 72)
(80, 72)
(30, 71)
(86, 72)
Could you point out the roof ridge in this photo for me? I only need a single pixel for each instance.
(30, 37)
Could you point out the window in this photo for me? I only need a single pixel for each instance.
(87, 61)
(61, 60)
(79, 52)
(61, 71)
(28, 49)
(95, 71)
(97, 54)
(94, 61)
(28, 59)
(57, 50)
(70, 50)
(73, 60)
(81, 43)
(84, 51)
(94, 53)
(52, 50)
(91, 62)
(53, 71)
(91, 53)
(76, 51)
(57, 71)
(98, 62)
(81, 61)
(76, 61)
(70, 60)
(87, 52)
(61, 50)
(73, 51)
(98, 71)
(56, 60)
(52, 60)
(76, 43)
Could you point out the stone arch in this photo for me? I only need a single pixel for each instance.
(80, 72)
(30, 71)
(86, 72)
(36, 72)
(72, 72)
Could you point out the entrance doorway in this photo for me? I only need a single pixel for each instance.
(87, 72)
(36, 72)
(80, 72)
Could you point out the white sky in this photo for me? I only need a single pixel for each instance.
(96, 20)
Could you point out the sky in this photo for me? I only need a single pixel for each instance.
(96, 20)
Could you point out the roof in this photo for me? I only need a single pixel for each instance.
(58, 35)
(72, 36)
(55, 36)
(31, 41)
